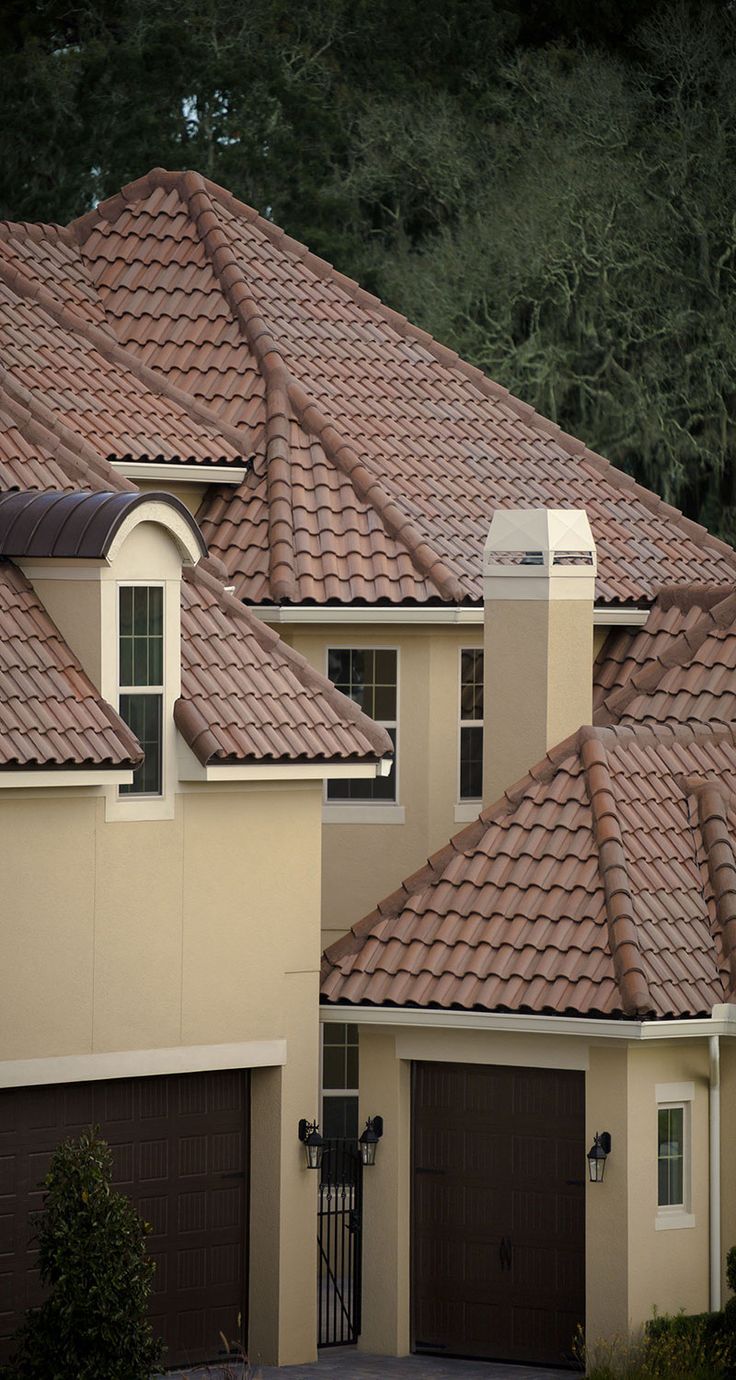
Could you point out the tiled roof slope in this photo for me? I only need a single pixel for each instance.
(50, 713)
(68, 386)
(248, 697)
(602, 885)
(379, 455)
(679, 668)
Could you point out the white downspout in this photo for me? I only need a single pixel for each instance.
(715, 1173)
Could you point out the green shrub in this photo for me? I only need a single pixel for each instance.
(92, 1324)
(672, 1348)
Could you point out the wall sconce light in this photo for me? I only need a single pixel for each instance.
(370, 1138)
(314, 1146)
(597, 1156)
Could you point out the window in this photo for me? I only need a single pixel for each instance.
(368, 676)
(471, 723)
(340, 1081)
(140, 676)
(671, 1156)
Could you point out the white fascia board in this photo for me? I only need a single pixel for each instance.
(449, 614)
(35, 780)
(288, 771)
(582, 1026)
(182, 474)
(141, 1063)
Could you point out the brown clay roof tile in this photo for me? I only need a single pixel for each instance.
(615, 905)
(50, 713)
(174, 322)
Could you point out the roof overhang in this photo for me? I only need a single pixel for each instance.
(190, 769)
(34, 778)
(722, 1021)
(458, 615)
(180, 474)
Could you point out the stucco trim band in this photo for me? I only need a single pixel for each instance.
(141, 1063)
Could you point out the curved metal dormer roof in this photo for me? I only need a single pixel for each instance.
(83, 526)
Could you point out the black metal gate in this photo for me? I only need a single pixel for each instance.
(339, 1231)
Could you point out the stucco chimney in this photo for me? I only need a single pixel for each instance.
(539, 568)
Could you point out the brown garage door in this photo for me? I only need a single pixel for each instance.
(498, 1258)
(180, 1151)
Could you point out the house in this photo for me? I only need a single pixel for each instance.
(564, 966)
(175, 352)
(162, 757)
(356, 467)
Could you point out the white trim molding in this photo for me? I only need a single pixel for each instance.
(37, 780)
(721, 1022)
(190, 769)
(457, 614)
(186, 474)
(141, 1063)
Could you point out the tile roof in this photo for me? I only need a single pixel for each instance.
(50, 713)
(679, 668)
(379, 455)
(602, 884)
(248, 697)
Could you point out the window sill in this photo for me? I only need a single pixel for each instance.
(363, 814)
(467, 810)
(673, 1220)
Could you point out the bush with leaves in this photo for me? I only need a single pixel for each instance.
(93, 1322)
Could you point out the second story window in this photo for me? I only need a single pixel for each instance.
(369, 676)
(141, 677)
(671, 1189)
(471, 723)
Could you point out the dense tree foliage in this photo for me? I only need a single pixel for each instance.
(549, 187)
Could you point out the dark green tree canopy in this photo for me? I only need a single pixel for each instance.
(549, 187)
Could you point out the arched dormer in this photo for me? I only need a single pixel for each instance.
(107, 567)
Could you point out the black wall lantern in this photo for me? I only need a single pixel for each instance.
(597, 1156)
(370, 1138)
(314, 1146)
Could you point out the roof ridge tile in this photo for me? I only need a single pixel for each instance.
(622, 930)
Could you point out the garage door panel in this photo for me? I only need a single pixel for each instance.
(172, 1138)
(512, 1194)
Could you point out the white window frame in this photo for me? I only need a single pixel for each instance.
(369, 811)
(125, 796)
(467, 806)
(334, 1092)
(676, 1097)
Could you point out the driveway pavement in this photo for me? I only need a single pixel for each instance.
(345, 1363)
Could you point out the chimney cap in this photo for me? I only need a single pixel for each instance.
(540, 529)
(539, 544)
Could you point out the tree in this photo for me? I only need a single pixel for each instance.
(92, 1324)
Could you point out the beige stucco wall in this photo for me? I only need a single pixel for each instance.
(364, 862)
(538, 685)
(632, 1267)
(668, 1270)
(198, 930)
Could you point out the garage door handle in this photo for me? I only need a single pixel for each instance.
(504, 1252)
